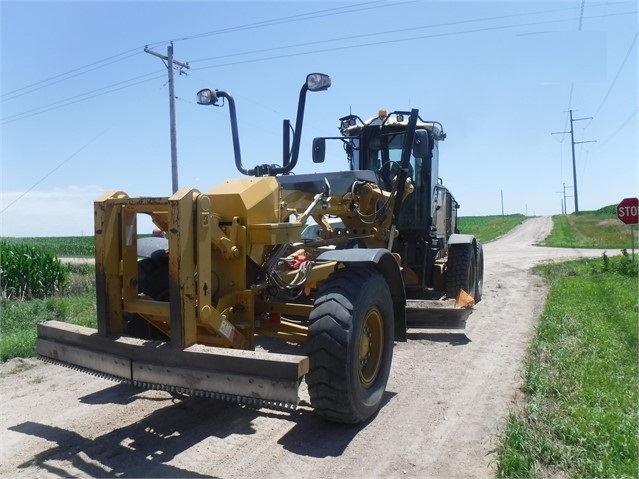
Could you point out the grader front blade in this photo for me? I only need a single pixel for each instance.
(255, 378)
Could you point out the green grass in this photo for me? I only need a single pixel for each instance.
(488, 228)
(580, 418)
(19, 319)
(591, 229)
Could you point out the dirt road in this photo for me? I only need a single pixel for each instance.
(447, 398)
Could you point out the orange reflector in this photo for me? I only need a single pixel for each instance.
(464, 300)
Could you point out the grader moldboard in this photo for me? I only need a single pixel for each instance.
(190, 313)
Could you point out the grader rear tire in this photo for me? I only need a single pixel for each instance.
(461, 272)
(350, 345)
(479, 288)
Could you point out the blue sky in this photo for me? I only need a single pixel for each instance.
(85, 110)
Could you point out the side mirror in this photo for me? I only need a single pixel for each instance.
(421, 144)
(319, 150)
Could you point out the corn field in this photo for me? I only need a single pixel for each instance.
(28, 272)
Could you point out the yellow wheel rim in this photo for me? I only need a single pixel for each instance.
(371, 347)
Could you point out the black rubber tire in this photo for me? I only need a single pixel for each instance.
(153, 280)
(350, 345)
(461, 272)
(153, 277)
(479, 288)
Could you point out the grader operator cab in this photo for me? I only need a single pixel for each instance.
(218, 308)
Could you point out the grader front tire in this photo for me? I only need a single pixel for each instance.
(350, 345)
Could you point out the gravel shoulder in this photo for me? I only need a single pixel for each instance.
(446, 402)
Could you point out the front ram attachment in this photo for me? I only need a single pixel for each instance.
(206, 327)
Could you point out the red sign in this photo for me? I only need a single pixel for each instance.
(628, 211)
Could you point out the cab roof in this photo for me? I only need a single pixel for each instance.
(393, 120)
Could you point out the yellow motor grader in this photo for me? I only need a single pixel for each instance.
(276, 277)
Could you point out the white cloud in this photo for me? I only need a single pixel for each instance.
(58, 212)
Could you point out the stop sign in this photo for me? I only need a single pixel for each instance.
(628, 211)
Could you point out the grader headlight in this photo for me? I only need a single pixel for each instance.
(206, 97)
(318, 82)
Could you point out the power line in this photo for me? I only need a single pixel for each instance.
(289, 19)
(86, 96)
(388, 32)
(56, 168)
(619, 128)
(607, 94)
(396, 40)
(10, 95)
(581, 14)
(335, 11)
(614, 81)
(80, 98)
(67, 75)
(59, 165)
(572, 84)
(293, 18)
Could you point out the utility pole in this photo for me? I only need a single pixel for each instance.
(562, 202)
(574, 165)
(563, 199)
(169, 62)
